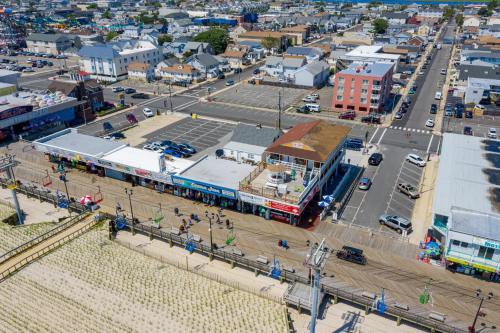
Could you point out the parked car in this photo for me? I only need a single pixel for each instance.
(492, 133)
(415, 159)
(313, 107)
(375, 159)
(433, 109)
(468, 114)
(353, 143)
(398, 115)
(351, 254)
(140, 96)
(152, 147)
(188, 148)
(117, 89)
(458, 113)
(303, 109)
(364, 183)
(371, 119)
(107, 126)
(468, 130)
(429, 123)
(129, 90)
(168, 144)
(350, 115)
(309, 99)
(237, 70)
(395, 222)
(229, 83)
(28, 70)
(315, 95)
(131, 118)
(172, 152)
(148, 112)
(256, 71)
(437, 95)
(221, 76)
(409, 190)
(117, 135)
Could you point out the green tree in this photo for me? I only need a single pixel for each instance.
(92, 6)
(106, 14)
(270, 43)
(449, 12)
(187, 54)
(157, 5)
(111, 35)
(216, 37)
(374, 4)
(162, 39)
(459, 19)
(380, 26)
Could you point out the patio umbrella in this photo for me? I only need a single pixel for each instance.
(85, 200)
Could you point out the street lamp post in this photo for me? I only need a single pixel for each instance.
(129, 193)
(479, 294)
(210, 231)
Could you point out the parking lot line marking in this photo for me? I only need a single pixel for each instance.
(429, 145)
(374, 133)
(381, 136)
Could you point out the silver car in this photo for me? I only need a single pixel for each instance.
(395, 222)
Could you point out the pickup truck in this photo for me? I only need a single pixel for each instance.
(408, 189)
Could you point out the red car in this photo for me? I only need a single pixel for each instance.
(131, 118)
(350, 115)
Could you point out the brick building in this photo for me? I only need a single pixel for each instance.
(362, 88)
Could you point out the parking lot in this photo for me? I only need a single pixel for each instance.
(261, 96)
(478, 123)
(23, 61)
(199, 133)
(365, 207)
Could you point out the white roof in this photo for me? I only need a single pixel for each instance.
(466, 176)
(371, 51)
(244, 147)
(136, 158)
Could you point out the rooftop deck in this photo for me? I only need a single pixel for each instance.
(279, 181)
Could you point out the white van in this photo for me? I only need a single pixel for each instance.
(437, 95)
(313, 107)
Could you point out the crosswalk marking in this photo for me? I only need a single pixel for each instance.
(399, 128)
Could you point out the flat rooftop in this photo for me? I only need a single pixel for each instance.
(72, 141)
(218, 171)
(136, 158)
(38, 101)
(469, 175)
(371, 51)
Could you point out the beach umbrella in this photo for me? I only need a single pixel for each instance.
(86, 199)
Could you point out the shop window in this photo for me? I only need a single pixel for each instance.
(456, 243)
(363, 108)
(339, 106)
(485, 252)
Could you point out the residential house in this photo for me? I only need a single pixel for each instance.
(255, 51)
(402, 38)
(198, 48)
(249, 142)
(51, 43)
(470, 56)
(363, 88)
(314, 74)
(131, 31)
(490, 30)
(290, 66)
(424, 30)
(170, 61)
(110, 62)
(301, 33)
(141, 71)
(395, 17)
(417, 41)
(207, 64)
(180, 26)
(273, 66)
(310, 53)
(460, 76)
(473, 21)
(180, 73)
(236, 56)
(283, 38)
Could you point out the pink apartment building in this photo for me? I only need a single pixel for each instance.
(362, 88)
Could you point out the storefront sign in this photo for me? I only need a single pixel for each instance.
(142, 173)
(206, 188)
(283, 207)
(252, 199)
(15, 111)
(491, 244)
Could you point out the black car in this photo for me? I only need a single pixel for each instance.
(352, 254)
(433, 109)
(237, 70)
(117, 135)
(185, 146)
(303, 109)
(256, 71)
(375, 159)
(353, 144)
(371, 119)
(107, 126)
(140, 96)
(468, 114)
(130, 90)
(221, 76)
(467, 130)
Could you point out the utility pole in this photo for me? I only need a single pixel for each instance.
(315, 260)
(479, 294)
(129, 193)
(210, 231)
(279, 110)
(170, 96)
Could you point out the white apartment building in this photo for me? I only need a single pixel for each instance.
(109, 62)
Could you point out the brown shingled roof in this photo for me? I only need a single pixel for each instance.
(314, 140)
